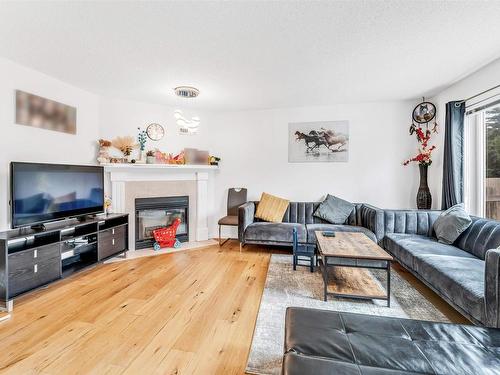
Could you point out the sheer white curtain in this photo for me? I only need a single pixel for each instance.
(473, 163)
(478, 197)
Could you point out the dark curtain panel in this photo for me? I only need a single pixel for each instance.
(453, 176)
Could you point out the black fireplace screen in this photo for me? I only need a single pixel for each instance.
(154, 213)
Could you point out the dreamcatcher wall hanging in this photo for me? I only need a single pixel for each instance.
(424, 114)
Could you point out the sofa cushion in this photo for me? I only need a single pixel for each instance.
(480, 236)
(459, 278)
(406, 246)
(451, 223)
(315, 343)
(311, 228)
(320, 334)
(271, 208)
(410, 221)
(302, 212)
(295, 364)
(228, 220)
(334, 210)
(274, 232)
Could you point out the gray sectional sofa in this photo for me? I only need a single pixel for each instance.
(465, 274)
(364, 218)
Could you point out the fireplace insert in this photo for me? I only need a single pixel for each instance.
(154, 213)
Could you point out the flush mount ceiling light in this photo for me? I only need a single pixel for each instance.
(187, 91)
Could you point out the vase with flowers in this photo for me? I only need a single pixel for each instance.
(424, 160)
(141, 140)
(126, 145)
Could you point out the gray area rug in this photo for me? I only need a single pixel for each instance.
(285, 287)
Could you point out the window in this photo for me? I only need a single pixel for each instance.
(492, 162)
(482, 161)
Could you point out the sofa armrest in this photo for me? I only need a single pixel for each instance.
(372, 218)
(492, 288)
(246, 213)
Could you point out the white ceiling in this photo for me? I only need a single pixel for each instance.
(248, 55)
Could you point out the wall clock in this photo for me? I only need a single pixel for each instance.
(155, 131)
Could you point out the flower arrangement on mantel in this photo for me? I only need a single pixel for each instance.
(142, 139)
(120, 149)
(125, 144)
(424, 156)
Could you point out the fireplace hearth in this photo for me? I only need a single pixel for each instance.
(153, 213)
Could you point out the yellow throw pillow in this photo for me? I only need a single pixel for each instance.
(271, 208)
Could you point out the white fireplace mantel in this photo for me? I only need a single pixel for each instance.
(119, 174)
(136, 166)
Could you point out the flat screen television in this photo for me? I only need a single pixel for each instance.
(48, 192)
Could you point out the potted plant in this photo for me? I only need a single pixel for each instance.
(150, 157)
(424, 160)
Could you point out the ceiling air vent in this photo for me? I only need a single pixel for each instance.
(186, 92)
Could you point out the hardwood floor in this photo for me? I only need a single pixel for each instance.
(184, 313)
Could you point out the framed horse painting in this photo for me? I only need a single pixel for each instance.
(325, 141)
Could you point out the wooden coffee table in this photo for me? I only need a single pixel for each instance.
(359, 253)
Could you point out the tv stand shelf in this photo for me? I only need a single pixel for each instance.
(31, 258)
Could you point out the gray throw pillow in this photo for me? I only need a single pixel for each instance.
(451, 223)
(334, 210)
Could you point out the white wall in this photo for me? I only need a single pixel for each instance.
(24, 143)
(122, 117)
(254, 150)
(483, 79)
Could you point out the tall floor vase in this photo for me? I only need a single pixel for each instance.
(424, 197)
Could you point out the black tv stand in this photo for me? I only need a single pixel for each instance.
(83, 218)
(34, 257)
(38, 227)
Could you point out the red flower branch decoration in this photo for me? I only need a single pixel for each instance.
(424, 156)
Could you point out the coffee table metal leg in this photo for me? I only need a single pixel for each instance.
(388, 284)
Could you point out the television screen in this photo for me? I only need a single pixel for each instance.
(45, 192)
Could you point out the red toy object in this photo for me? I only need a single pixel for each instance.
(165, 237)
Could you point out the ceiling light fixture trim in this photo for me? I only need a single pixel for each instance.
(186, 91)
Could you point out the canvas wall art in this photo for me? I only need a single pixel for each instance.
(326, 141)
(33, 110)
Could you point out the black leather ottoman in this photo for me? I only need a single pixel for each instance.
(326, 342)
